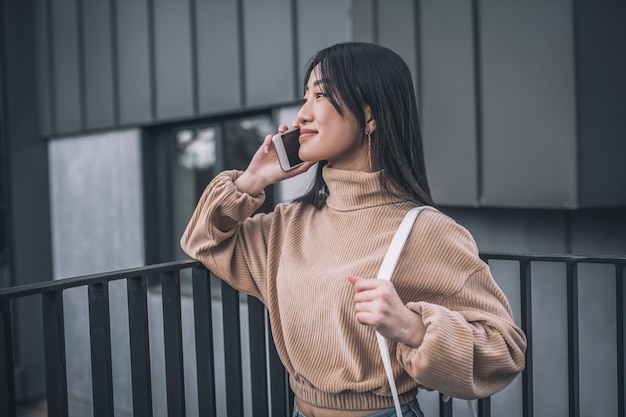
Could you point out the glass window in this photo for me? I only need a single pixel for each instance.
(180, 160)
(95, 203)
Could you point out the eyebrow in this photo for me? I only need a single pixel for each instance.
(315, 84)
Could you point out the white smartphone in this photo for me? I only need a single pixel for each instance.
(287, 145)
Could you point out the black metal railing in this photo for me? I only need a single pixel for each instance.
(269, 394)
(264, 393)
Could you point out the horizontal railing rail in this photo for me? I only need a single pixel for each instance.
(270, 394)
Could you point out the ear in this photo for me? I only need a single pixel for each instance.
(370, 123)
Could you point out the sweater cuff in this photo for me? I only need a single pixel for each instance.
(439, 360)
(238, 205)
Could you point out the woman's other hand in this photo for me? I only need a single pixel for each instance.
(377, 304)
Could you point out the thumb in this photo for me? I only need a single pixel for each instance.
(353, 279)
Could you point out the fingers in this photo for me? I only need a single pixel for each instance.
(361, 284)
(267, 144)
(369, 299)
(302, 168)
(374, 300)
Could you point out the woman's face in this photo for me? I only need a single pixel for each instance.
(327, 135)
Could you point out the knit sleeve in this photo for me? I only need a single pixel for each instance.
(472, 348)
(222, 236)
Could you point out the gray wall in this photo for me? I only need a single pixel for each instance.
(521, 102)
(106, 64)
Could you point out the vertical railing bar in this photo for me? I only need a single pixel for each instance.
(279, 384)
(258, 357)
(137, 297)
(54, 352)
(484, 407)
(620, 294)
(173, 339)
(7, 377)
(232, 350)
(573, 338)
(445, 406)
(526, 321)
(290, 394)
(484, 404)
(100, 339)
(203, 327)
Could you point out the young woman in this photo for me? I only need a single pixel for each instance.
(312, 261)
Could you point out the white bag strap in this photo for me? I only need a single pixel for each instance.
(385, 272)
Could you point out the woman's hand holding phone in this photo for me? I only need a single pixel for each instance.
(265, 169)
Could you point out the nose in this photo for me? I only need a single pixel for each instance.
(304, 114)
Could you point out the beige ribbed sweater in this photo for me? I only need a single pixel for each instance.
(296, 261)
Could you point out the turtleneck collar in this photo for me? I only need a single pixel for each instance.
(354, 190)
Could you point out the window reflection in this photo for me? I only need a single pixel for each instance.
(197, 149)
(242, 138)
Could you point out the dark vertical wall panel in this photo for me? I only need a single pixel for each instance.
(42, 48)
(448, 111)
(134, 66)
(66, 66)
(527, 92)
(396, 30)
(28, 208)
(218, 59)
(335, 16)
(601, 99)
(362, 22)
(173, 59)
(269, 51)
(98, 64)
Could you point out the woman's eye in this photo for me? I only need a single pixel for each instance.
(320, 95)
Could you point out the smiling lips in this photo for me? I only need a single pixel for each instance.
(305, 133)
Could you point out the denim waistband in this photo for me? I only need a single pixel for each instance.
(410, 409)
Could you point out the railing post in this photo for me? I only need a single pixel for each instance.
(203, 322)
(137, 296)
(484, 407)
(445, 406)
(101, 364)
(54, 350)
(7, 384)
(572, 339)
(172, 331)
(258, 357)
(279, 383)
(232, 350)
(526, 321)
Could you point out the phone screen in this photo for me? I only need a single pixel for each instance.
(292, 145)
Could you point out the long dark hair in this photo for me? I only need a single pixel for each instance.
(355, 74)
